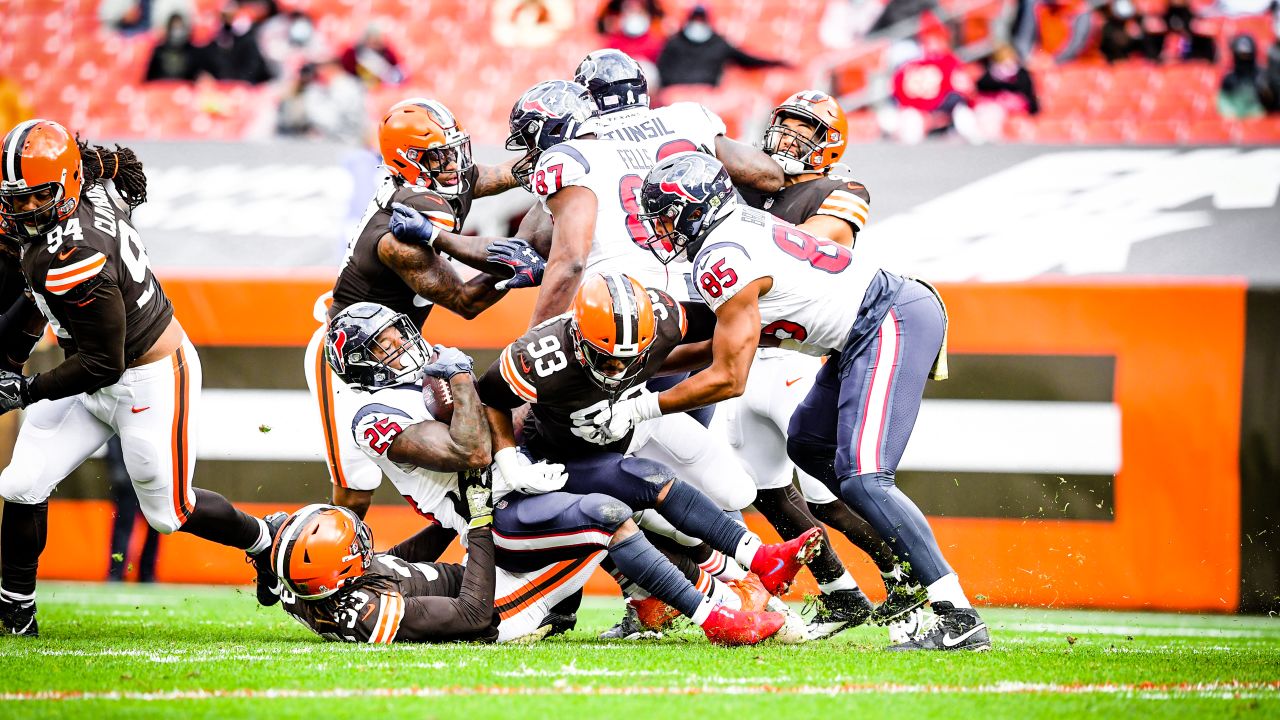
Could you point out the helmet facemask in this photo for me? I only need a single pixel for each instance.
(443, 168)
(525, 139)
(33, 223)
(392, 355)
(612, 372)
(667, 240)
(805, 147)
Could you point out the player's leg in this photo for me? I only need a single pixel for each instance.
(880, 396)
(526, 602)
(55, 437)
(156, 416)
(698, 456)
(353, 474)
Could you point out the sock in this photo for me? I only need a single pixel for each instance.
(17, 599)
(23, 531)
(642, 563)
(264, 538)
(947, 589)
(693, 513)
(844, 582)
(785, 509)
(215, 519)
(722, 594)
(628, 588)
(747, 549)
(700, 615)
(721, 567)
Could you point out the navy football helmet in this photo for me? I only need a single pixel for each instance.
(371, 346)
(547, 114)
(683, 198)
(615, 80)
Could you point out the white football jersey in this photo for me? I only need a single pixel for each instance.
(818, 285)
(613, 166)
(385, 414)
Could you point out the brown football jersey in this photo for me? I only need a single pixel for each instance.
(542, 368)
(364, 277)
(839, 197)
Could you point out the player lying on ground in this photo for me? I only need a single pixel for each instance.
(770, 283)
(130, 369)
(568, 368)
(542, 533)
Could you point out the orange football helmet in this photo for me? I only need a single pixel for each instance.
(39, 162)
(824, 146)
(613, 328)
(423, 144)
(321, 548)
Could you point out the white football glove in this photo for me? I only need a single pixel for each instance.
(616, 420)
(514, 472)
(789, 165)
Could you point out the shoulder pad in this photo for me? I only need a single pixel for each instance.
(75, 268)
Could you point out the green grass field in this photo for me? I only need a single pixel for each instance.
(178, 651)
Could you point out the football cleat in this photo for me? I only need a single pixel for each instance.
(553, 624)
(751, 592)
(903, 598)
(654, 614)
(629, 628)
(777, 564)
(741, 627)
(19, 619)
(268, 583)
(839, 610)
(957, 629)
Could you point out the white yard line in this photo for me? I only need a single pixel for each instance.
(1136, 630)
(1154, 691)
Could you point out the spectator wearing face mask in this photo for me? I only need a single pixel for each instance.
(697, 55)
(289, 41)
(632, 26)
(1241, 91)
(175, 57)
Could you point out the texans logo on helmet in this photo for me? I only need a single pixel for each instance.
(535, 105)
(676, 188)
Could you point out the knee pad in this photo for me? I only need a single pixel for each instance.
(166, 525)
(652, 477)
(18, 481)
(817, 459)
(606, 512)
(734, 496)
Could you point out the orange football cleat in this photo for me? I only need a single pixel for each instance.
(778, 564)
(654, 614)
(741, 627)
(751, 592)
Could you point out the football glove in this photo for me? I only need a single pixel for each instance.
(447, 363)
(789, 165)
(516, 473)
(15, 391)
(526, 264)
(411, 226)
(618, 419)
(477, 490)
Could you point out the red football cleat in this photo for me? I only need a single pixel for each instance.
(751, 592)
(741, 627)
(778, 564)
(654, 614)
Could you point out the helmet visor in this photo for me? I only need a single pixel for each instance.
(446, 165)
(399, 347)
(610, 372)
(799, 140)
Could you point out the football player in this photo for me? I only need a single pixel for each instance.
(807, 136)
(541, 533)
(130, 369)
(427, 195)
(616, 336)
(771, 283)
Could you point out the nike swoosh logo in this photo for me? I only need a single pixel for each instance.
(793, 382)
(948, 641)
(85, 302)
(778, 567)
(524, 364)
(66, 254)
(137, 410)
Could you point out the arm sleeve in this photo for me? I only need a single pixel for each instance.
(15, 340)
(96, 321)
(429, 618)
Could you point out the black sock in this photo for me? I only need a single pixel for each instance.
(693, 514)
(678, 554)
(217, 520)
(642, 564)
(785, 509)
(23, 531)
(853, 526)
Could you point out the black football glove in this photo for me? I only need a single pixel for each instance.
(447, 363)
(476, 487)
(15, 391)
(411, 226)
(526, 264)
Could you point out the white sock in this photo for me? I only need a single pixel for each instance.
(703, 612)
(947, 589)
(721, 594)
(747, 549)
(264, 538)
(721, 566)
(844, 582)
(896, 574)
(17, 598)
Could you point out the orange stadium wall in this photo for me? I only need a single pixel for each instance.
(1174, 538)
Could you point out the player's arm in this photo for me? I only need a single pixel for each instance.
(435, 619)
(748, 166)
(687, 358)
(536, 228)
(494, 179)
(426, 545)
(463, 444)
(431, 276)
(96, 319)
(20, 329)
(733, 348)
(574, 210)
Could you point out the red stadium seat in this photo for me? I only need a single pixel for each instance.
(1263, 131)
(1212, 131)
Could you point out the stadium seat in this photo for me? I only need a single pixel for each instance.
(1263, 131)
(1211, 131)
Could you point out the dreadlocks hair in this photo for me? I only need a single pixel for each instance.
(121, 166)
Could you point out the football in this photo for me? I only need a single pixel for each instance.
(438, 397)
